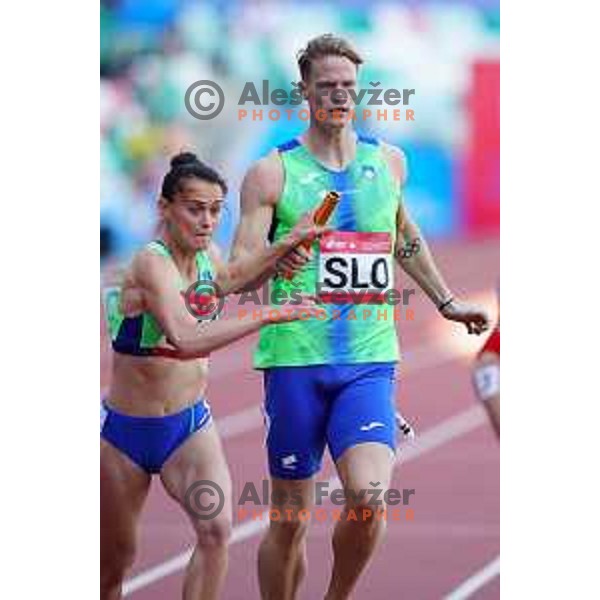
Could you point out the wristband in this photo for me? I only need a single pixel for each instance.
(445, 304)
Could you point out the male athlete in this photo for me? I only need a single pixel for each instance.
(332, 382)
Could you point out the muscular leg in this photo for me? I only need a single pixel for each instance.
(282, 553)
(296, 412)
(354, 542)
(201, 458)
(123, 489)
(486, 380)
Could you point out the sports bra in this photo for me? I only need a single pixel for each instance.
(142, 335)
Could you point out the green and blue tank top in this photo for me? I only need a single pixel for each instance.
(358, 254)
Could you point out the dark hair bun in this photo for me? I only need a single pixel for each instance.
(184, 158)
(186, 165)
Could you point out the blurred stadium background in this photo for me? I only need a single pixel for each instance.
(152, 50)
(448, 51)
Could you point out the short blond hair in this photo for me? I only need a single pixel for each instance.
(327, 44)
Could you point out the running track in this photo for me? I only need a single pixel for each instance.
(451, 548)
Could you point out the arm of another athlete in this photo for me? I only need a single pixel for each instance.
(249, 271)
(416, 260)
(157, 279)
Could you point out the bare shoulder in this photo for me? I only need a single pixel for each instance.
(148, 267)
(396, 160)
(263, 182)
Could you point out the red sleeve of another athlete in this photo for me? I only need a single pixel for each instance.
(493, 342)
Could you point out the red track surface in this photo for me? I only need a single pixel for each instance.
(455, 531)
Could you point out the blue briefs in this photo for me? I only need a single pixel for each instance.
(149, 441)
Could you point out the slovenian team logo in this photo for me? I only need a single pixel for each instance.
(368, 172)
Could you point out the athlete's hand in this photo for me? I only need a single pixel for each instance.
(305, 232)
(298, 242)
(293, 261)
(475, 319)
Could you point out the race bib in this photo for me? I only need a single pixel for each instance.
(355, 267)
(487, 381)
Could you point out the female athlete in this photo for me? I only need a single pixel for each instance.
(155, 418)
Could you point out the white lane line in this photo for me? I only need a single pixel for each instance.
(446, 431)
(476, 581)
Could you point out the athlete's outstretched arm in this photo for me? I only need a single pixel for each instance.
(157, 278)
(414, 257)
(261, 190)
(249, 270)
